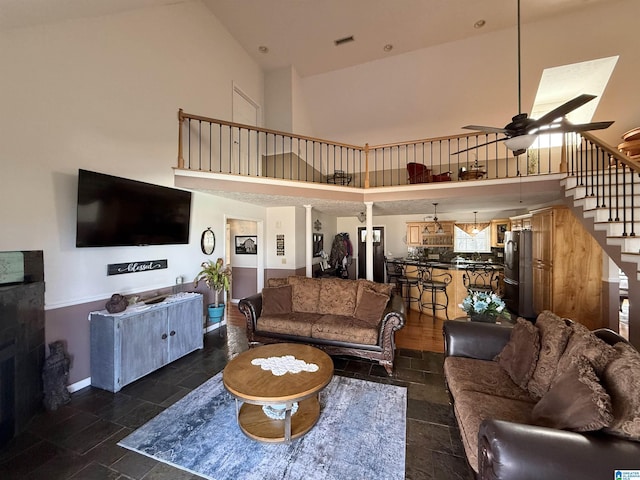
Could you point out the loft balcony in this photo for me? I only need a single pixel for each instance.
(274, 168)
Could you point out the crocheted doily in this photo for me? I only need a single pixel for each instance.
(285, 364)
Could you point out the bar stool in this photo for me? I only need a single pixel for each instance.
(433, 284)
(407, 283)
(481, 278)
(394, 270)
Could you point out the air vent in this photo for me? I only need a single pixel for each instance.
(342, 41)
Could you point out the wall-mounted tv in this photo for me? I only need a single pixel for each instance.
(116, 212)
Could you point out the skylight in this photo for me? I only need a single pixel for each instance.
(560, 84)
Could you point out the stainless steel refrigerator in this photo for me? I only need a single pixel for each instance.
(518, 273)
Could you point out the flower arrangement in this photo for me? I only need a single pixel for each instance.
(216, 275)
(485, 304)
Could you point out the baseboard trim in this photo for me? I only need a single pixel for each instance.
(74, 387)
(214, 326)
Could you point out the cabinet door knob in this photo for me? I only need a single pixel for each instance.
(173, 332)
(164, 336)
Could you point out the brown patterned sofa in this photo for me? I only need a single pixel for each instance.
(545, 400)
(342, 317)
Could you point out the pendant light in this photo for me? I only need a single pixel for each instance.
(475, 230)
(439, 229)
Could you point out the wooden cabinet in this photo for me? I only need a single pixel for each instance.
(143, 338)
(521, 222)
(498, 229)
(567, 268)
(425, 234)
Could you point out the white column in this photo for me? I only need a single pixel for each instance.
(308, 242)
(369, 242)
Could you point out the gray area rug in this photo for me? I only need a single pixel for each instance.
(360, 435)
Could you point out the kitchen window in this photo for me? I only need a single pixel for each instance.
(467, 243)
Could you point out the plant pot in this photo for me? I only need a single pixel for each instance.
(215, 313)
(483, 317)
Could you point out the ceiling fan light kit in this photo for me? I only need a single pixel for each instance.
(522, 131)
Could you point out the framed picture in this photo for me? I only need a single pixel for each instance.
(246, 244)
(318, 244)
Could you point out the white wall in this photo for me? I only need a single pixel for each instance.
(434, 91)
(103, 94)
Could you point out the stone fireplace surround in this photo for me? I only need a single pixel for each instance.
(22, 347)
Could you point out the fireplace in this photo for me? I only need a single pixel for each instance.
(21, 340)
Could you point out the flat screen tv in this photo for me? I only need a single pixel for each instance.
(116, 212)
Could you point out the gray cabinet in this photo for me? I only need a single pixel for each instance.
(143, 338)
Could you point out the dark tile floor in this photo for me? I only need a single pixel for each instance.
(78, 441)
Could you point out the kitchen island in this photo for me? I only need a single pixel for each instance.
(456, 291)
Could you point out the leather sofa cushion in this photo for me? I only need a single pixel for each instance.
(288, 324)
(621, 378)
(276, 300)
(305, 294)
(471, 408)
(371, 307)
(554, 334)
(576, 401)
(520, 355)
(483, 376)
(345, 329)
(337, 296)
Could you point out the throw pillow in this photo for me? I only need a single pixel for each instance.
(576, 401)
(554, 333)
(371, 306)
(621, 378)
(519, 356)
(584, 342)
(363, 284)
(276, 300)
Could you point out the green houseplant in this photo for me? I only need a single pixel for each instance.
(217, 276)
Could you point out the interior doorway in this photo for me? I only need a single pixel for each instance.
(378, 253)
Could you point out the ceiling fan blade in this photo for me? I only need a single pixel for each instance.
(484, 129)
(565, 108)
(478, 146)
(566, 127)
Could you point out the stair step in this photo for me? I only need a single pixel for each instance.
(617, 229)
(606, 178)
(603, 214)
(627, 244)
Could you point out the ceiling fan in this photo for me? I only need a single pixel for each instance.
(522, 131)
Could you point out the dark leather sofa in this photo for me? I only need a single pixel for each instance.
(519, 451)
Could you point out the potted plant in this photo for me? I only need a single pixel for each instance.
(484, 307)
(217, 276)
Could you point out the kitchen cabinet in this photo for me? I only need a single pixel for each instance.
(521, 222)
(567, 267)
(498, 229)
(129, 345)
(424, 234)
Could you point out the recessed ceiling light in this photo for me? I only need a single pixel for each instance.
(479, 24)
(388, 47)
(263, 49)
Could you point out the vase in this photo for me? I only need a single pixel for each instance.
(483, 317)
(215, 313)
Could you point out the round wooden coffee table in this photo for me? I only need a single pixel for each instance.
(277, 408)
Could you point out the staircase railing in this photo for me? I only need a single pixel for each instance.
(608, 176)
(210, 145)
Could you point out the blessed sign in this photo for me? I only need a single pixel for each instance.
(133, 267)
